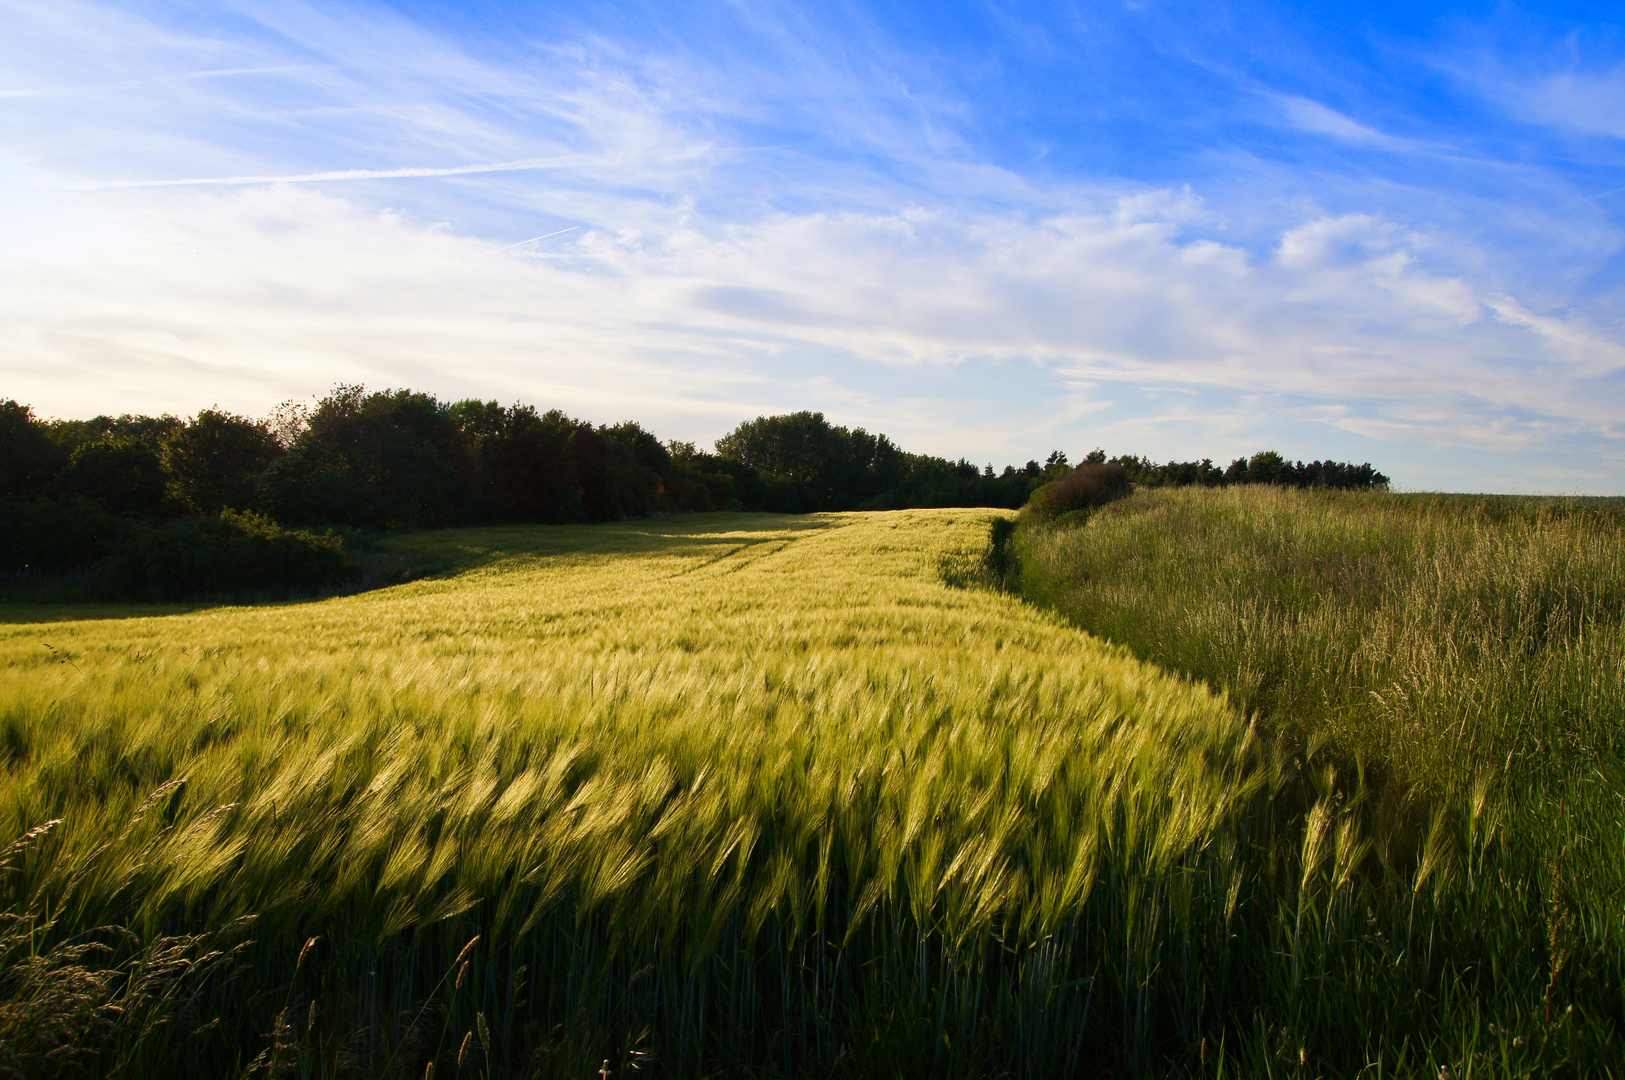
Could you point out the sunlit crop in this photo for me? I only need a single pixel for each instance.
(667, 741)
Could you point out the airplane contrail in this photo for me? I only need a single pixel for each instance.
(343, 174)
(522, 243)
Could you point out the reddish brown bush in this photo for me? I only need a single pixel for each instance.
(1083, 487)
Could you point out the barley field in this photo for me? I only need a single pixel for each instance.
(730, 795)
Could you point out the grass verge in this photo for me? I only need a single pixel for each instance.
(1450, 664)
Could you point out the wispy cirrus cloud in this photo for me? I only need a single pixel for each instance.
(1578, 99)
(701, 322)
(1311, 116)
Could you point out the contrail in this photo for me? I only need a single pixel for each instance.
(344, 174)
(522, 243)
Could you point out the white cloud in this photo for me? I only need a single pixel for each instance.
(1315, 118)
(1592, 102)
(1587, 353)
(174, 299)
(1556, 83)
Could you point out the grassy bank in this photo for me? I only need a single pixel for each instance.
(1454, 663)
(1451, 638)
(738, 795)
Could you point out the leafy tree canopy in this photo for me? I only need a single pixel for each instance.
(123, 475)
(214, 461)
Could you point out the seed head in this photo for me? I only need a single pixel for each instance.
(462, 1055)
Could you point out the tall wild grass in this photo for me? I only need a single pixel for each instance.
(1452, 638)
(1461, 661)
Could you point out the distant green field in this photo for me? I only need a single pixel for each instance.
(732, 795)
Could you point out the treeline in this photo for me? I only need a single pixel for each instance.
(161, 506)
(1265, 467)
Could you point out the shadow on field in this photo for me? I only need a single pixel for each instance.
(15, 614)
(445, 553)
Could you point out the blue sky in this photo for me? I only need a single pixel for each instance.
(1392, 233)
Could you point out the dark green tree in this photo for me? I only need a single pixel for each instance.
(123, 476)
(29, 457)
(615, 484)
(149, 431)
(1269, 467)
(389, 459)
(810, 464)
(523, 462)
(796, 446)
(215, 461)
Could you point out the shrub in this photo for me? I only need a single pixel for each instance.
(234, 553)
(1084, 487)
(264, 555)
(45, 535)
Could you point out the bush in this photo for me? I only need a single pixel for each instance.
(47, 536)
(1085, 487)
(234, 553)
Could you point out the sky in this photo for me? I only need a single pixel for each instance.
(1375, 232)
